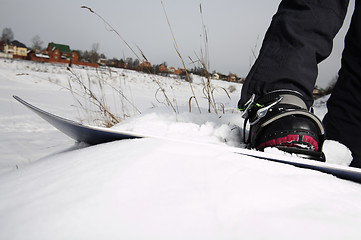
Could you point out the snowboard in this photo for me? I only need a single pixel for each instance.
(82, 133)
(96, 135)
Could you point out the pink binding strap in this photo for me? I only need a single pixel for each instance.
(291, 140)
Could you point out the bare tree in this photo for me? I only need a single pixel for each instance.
(36, 41)
(129, 62)
(136, 63)
(94, 55)
(7, 35)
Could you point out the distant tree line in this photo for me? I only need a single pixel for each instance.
(8, 36)
(93, 56)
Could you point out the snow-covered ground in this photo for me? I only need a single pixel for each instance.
(52, 188)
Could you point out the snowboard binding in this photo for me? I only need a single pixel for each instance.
(281, 119)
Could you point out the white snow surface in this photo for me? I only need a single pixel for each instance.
(53, 188)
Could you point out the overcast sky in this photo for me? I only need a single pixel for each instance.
(234, 28)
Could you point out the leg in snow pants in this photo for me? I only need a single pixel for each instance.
(301, 36)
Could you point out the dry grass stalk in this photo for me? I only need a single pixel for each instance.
(143, 55)
(203, 60)
(112, 30)
(181, 58)
(87, 93)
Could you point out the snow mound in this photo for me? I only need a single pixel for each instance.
(205, 128)
(337, 153)
(155, 189)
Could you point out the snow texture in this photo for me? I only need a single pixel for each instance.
(52, 188)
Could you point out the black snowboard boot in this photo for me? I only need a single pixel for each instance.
(281, 119)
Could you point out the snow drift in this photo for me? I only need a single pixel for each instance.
(152, 188)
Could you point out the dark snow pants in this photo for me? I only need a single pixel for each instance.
(301, 36)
